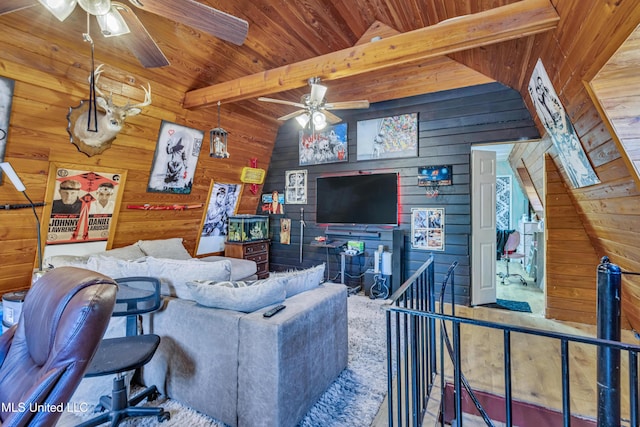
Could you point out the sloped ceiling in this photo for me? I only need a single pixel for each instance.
(288, 42)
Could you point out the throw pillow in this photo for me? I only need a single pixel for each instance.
(117, 268)
(176, 272)
(239, 296)
(164, 248)
(302, 280)
(130, 252)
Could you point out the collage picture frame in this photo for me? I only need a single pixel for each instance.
(427, 229)
(296, 187)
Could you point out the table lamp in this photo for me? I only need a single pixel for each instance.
(15, 180)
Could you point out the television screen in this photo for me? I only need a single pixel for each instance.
(357, 199)
(434, 175)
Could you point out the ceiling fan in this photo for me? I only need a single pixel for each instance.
(117, 19)
(314, 107)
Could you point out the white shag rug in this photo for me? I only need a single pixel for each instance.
(352, 400)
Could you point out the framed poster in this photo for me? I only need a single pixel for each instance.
(427, 229)
(273, 203)
(175, 159)
(326, 146)
(6, 97)
(296, 187)
(81, 209)
(222, 202)
(556, 122)
(388, 137)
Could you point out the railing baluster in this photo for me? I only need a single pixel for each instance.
(457, 372)
(566, 403)
(633, 387)
(507, 378)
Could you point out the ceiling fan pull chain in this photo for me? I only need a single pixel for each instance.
(92, 115)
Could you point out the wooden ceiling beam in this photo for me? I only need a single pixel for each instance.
(503, 23)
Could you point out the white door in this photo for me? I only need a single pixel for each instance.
(483, 227)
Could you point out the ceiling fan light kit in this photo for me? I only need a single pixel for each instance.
(314, 107)
(61, 9)
(95, 7)
(112, 24)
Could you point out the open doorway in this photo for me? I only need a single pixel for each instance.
(515, 215)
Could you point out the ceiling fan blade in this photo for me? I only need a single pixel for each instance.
(332, 118)
(139, 40)
(291, 115)
(346, 105)
(282, 101)
(8, 6)
(317, 93)
(200, 16)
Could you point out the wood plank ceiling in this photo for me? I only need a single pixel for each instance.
(283, 33)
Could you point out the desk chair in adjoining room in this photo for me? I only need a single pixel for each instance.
(510, 253)
(117, 356)
(44, 356)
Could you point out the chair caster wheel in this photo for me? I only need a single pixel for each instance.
(165, 416)
(153, 396)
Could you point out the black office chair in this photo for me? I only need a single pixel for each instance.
(136, 295)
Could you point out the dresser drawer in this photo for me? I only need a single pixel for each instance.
(262, 268)
(255, 248)
(258, 258)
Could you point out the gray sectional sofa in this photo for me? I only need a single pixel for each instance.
(247, 370)
(218, 354)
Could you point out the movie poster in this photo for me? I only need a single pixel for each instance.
(82, 206)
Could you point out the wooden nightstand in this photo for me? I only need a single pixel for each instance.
(257, 251)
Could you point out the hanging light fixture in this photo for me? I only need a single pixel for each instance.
(111, 23)
(95, 7)
(303, 120)
(218, 140)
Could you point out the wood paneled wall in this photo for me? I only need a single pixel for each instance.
(449, 123)
(44, 91)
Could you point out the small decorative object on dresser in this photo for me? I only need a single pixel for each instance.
(256, 251)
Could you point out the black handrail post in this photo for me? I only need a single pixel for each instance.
(609, 278)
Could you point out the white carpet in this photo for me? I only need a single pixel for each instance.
(351, 401)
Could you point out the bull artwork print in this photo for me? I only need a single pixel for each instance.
(94, 137)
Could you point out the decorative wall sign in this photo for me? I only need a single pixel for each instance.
(175, 159)
(427, 229)
(388, 137)
(285, 231)
(296, 187)
(273, 203)
(6, 97)
(558, 125)
(503, 202)
(222, 203)
(326, 146)
(82, 208)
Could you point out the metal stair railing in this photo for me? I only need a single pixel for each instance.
(413, 345)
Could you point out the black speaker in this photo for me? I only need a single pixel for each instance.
(397, 261)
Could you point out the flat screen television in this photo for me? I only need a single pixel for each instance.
(434, 175)
(369, 199)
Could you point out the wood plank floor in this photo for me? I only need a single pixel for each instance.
(536, 361)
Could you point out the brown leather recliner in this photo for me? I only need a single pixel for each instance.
(44, 356)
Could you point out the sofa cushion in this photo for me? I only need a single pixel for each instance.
(56, 261)
(164, 248)
(302, 280)
(241, 269)
(176, 273)
(239, 296)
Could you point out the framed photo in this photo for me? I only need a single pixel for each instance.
(175, 159)
(560, 129)
(273, 203)
(326, 146)
(222, 202)
(81, 209)
(388, 137)
(295, 189)
(6, 97)
(427, 229)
